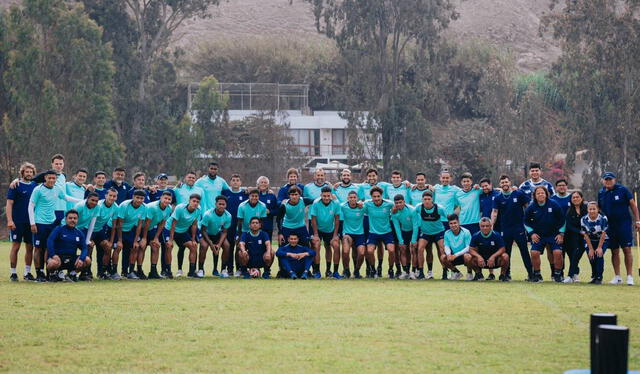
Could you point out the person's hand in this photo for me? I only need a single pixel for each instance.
(637, 226)
(281, 238)
(514, 188)
(591, 254)
(109, 245)
(155, 243)
(119, 245)
(11, 225)
(14, 183)
(34, 229)
(476, 186)
(394, 210)
(599, 252)
(360, 204)
(335, 237)
(91, 244)
(153, 189)
(559, 238)
(136, 245)
(79, 264)
(90, 187)
(143, 243)
(270, 191)
(412, 246)
(535, 238)
(169, 245)
(407, 184)
(491, 262)
(336, 185)
(451, 258)
(481, 262)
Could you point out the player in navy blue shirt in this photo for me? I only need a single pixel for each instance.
(486, 199)
(139, 180)
(62, 249)
(545, 223)
(535, 175)
(235, 196)
(487, 251)
(295, 259)
(99, 180)
(562, 197)
(573, 239)
(162, 185)
(255, 249)
(269, 199)
(594, 227)
(508, 214)
(118, 183)
(292, 180)
(615, 200)
(17, 210)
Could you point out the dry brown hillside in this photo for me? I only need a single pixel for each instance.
(509, 24)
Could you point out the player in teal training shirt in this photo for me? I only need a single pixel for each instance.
(456, 247)
(353, 238)
(313, 190)
(469, 199)
(345, 186)
(212, 185)
(325, 223)
(183, 229)
(249, 209)
(214, 225)
(428, 222)
(379, 212)
(402, 219)
(154, 233)
(446, 196)
(76, 188)
(131, 215)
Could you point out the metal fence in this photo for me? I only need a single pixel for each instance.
(260, 96)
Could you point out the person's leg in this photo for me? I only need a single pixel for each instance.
(391, 250)
(371, 250)
(181, 250)
(521, 242)
(346, 248)
(53, 263)
(361, 254)
(267, 258)
(504, 267)
(335, 248)
(440, 248)
(215, 254)
(202, 254)
(243, 258)
(628, 260)
(193, 256)
(536, 262)
(13, 258)
(422, 245)
(429, 248)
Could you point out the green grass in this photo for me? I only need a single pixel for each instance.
(283, 326)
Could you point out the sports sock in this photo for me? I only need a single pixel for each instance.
(430, 266)
(421, 270)
(215, 262)
(13, 270)
(180, 257)
(328, 265)
(398, 268)
(316, 268)
(192, 268)
(405, 268)
(139, 268)
(200, 265)
(336, 268)
(154, 268)
(132, 267)
(27, 269)
(380, 262)
(413, 269)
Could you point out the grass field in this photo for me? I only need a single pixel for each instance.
(234, 325)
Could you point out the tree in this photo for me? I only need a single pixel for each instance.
(209, 104)
(598, 74)
(374, 37)
(58, 75)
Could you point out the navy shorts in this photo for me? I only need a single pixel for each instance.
(40, 238)
(161, 237)
(459, 260)
(543, 242)
(406, 237)
(256, 260)
(358, 239)
(127, 238)
(374, 239)
(496, 265)
(620, 235)
(68, 262)
(594, 244)
(432, 238)
(215, 238)
(98, 236)
(181, 238)
(325, 236)
(22, 233)
(303, 234)
(472, 227)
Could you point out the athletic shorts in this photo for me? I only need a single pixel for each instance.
(256, 260)
(22, 233)
(459, 260)
(432, 238)
(98, 236)
(340, 230)
(215, 238)
(303, 234)
(358, 239)
(365, 225)
(161, 237)
(325, 236)
(543, 242)
(40, 238)
(498, 263)
(68, 262)
(374, 239)
(472, 227)
(127, 238)
(181, 238)
(620, 235)
(406, 237)
(595, 243)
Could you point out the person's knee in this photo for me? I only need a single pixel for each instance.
(505, 258)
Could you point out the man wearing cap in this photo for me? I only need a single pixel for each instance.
(615, 200)
(162, 182)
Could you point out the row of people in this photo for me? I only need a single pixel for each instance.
(334, 219)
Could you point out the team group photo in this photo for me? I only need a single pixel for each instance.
(320, 186)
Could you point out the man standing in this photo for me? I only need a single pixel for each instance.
(187, 188)
(99, 180)
(469, 199)
(154, 233)
(402, 219)
(63, 244)
(325, 223)
(117, 182)
(183, 228)
(162, 186)
(562, 197)
(427, 222)
(508, 214)
(397, 187)
(139, 184)
(353, 238)
(545, 223)
(43, 205)
(215, 225)
(615, 200)
(292, 180)
(17, 210)
(295, 259)
(535, 175)
(76, 188)
(446, 197)
(345, 186)
(106, 227)
(235, 196)
(269, 199)
(313, 190)
(418, 189)
(131, 215)
(364, 189)
(487, 251)
(212, 185)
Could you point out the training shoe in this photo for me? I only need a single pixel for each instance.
(141, 275)
(237, 274)
(429, 275)
(378, 273)
(478, 277)
(336, 275)
(503, 278)
(305, 275)
(630, 280)
(317, 275)
(616, 280)
(84, 277)
(537, 278)
(567, 279)
(445, 275)
(403, 276)
(179, 273)
(413, 275)
(491, 277)
(391, 274)
(224, 274)
(328, 274)
(168, 275)
(216, 273)
(292, 275)
(266, 274)
(576, 278)
(29, 277)
(421, 275)
(596, 281)
(115, 277)
(104, 276)
(40, 277)
(13, 277)
(154, 275)
(346, 274)
(456, 276)
(356, 275)
(200, 273)
(246, 275)
(469, 277)
(133, 276)
(68, 278)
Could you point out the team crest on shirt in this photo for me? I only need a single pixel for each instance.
(15, 236)
(493, 243)
(616, 197)
(515, 199)
(268, 201)
(549, 210)
(259, 241)
(77, 238)
(37, 243)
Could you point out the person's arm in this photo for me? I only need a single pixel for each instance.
(120, 222)
(280, 217)
(223, 236)
(159, 230)
(112, 236)
(146, 224)
(205, 235)
(92, 225)
(314, 226)
(416, 225)
(9, 212)
(636, 215)
(473, 251)
(494, 216)
(194, 229)
(32, 216)
(83, 247)
(242, 245)
(267, 243)
(172, 231)
(136, 239)
(336, 225)
(396, 226)
(51, 242)
(240, 218)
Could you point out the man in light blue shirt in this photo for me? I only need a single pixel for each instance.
(469, 199)
(212, 185)
(325, 224)
(76, 188)
(313, 190)
(456, 247)
(446, 197)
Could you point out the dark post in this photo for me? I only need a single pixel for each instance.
(599, 319)
(612, 349)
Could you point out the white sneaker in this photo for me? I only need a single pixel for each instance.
(576, 278)
(224, 274)
(616, 280)
(200, 273)
(469, 276)
(567, 280)
(429, 275)
(179, 273)
(630, 280)
(456, 276)
(413, 275)
(404, 275)
(237, 274)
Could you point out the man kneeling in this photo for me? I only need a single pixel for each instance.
(487, 251)
(295, 259)
(255, 250)
(62, 247)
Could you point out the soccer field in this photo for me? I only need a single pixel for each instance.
(234, 325)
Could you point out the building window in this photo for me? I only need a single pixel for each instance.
(307, 141)
(339, 142)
